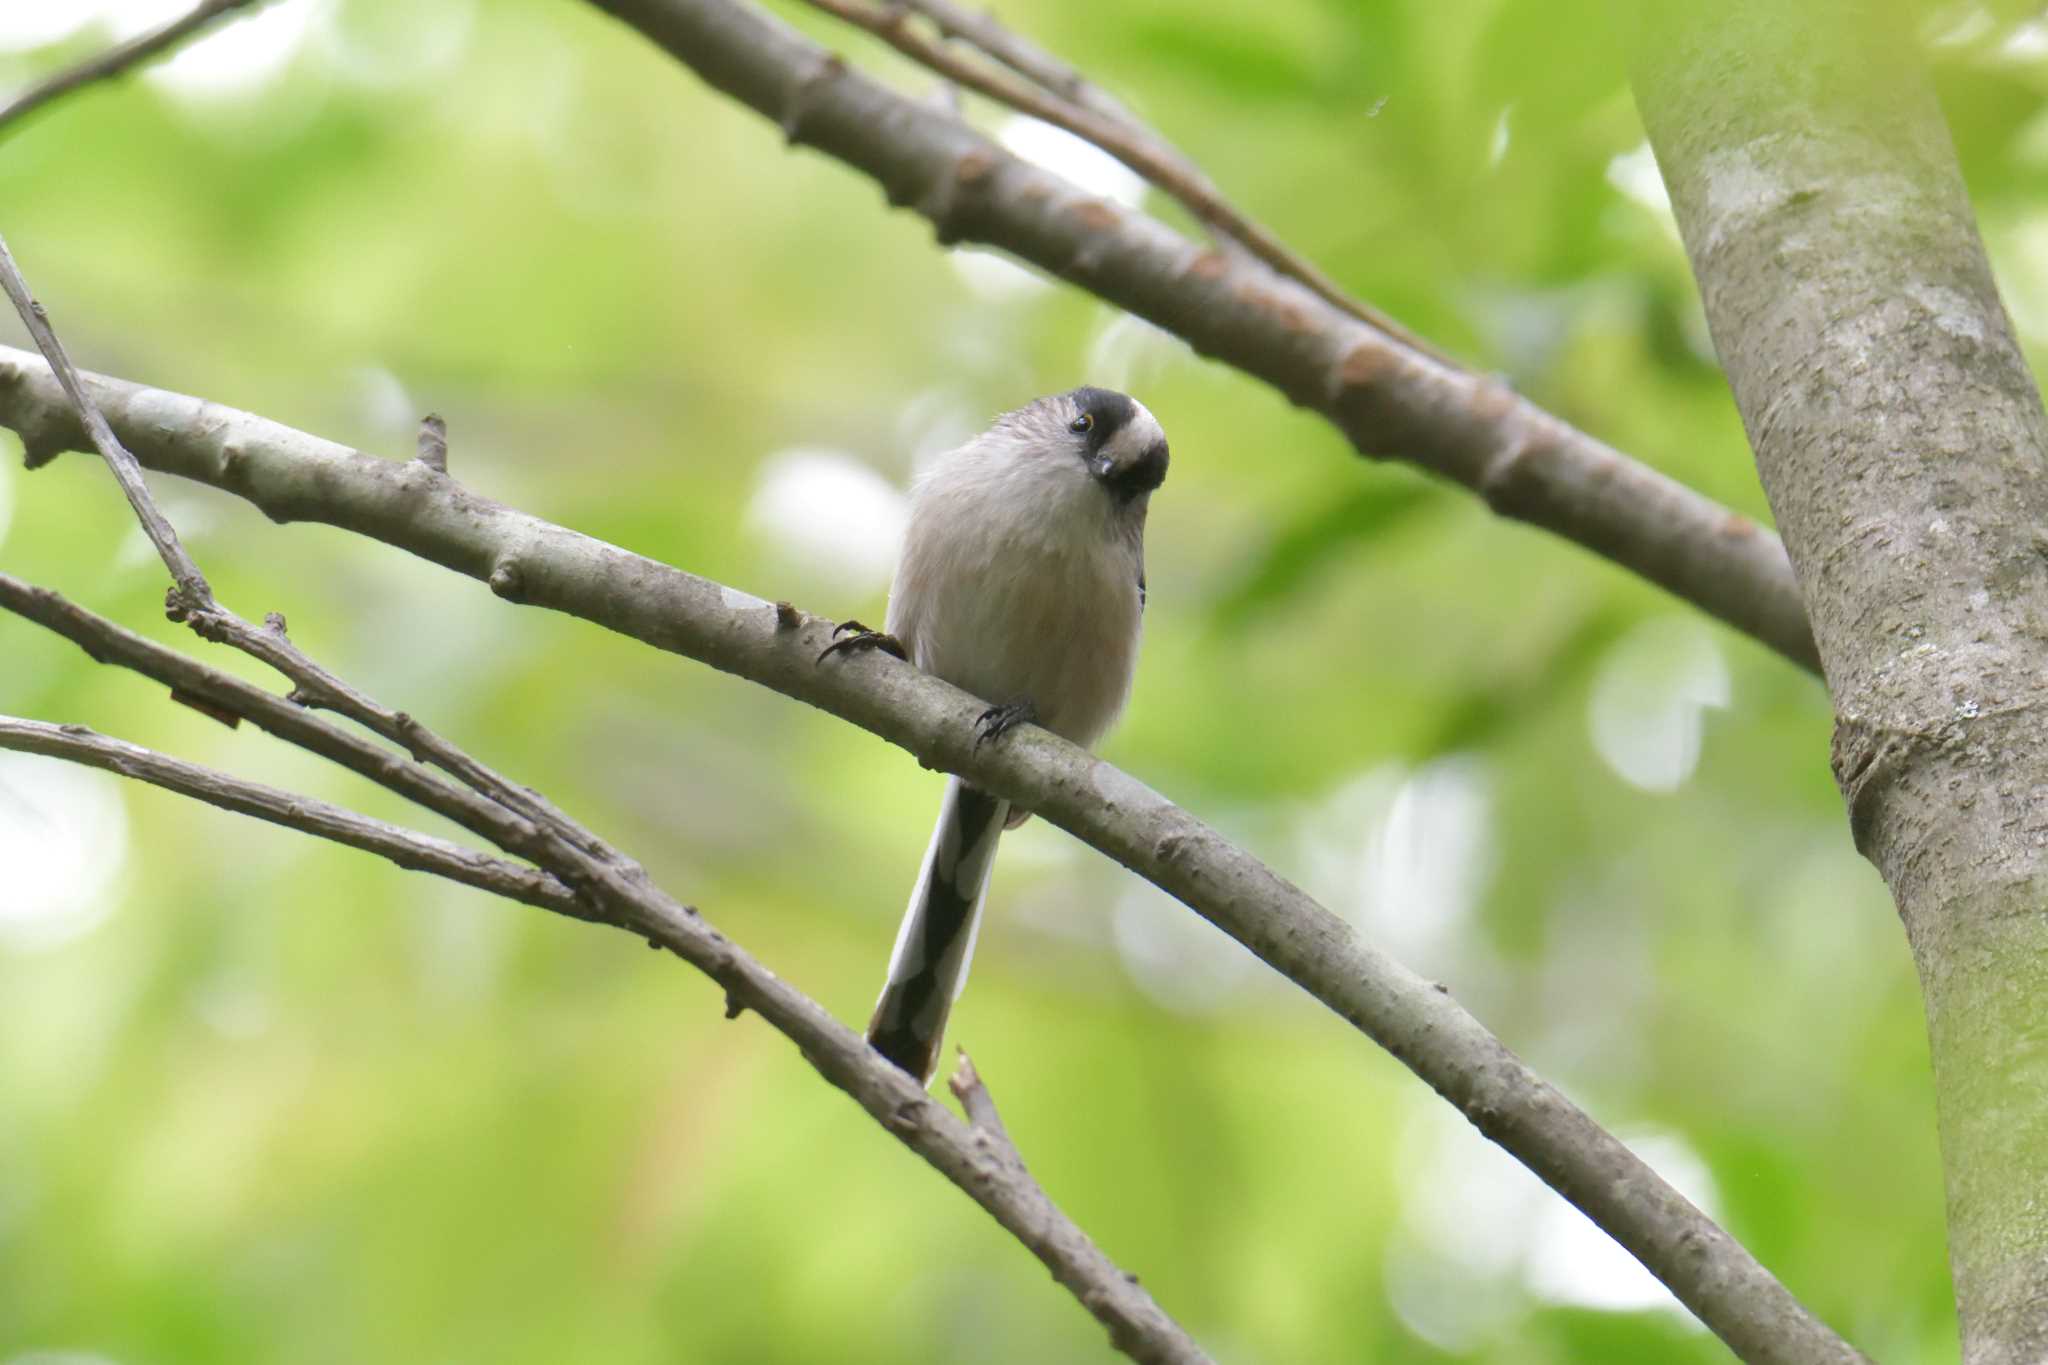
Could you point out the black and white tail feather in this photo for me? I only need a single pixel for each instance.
(1022, 581)
(936, 943)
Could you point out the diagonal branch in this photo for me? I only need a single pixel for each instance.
(224, 695)
(620, 893)
(191, 584)
(1387, 398)
(119, 59)
(1022, 56)
(293, 476)
(406, 847)
(994, 1176)
(1124, 138)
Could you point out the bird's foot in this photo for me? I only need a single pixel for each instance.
(851, 636)
(998, 721)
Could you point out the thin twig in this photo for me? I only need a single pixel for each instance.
(315, 686)
(977, 1103)
(293, 476)
(433, 443)
(1024, 57)
(119, 59)
(191, 600)
(190, 583)
(1130, 142)
(406, 847)
(225, 696)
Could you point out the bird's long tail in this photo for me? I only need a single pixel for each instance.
(929, 965)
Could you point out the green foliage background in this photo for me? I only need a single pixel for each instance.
(270, 1100)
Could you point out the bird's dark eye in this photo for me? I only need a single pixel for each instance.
(1085, 422)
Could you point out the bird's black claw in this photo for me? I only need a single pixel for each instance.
(852, 635)
(998, 721)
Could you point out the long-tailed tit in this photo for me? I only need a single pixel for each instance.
(1022, 580)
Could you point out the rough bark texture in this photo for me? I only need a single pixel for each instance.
(1901, 440)
(294, 476)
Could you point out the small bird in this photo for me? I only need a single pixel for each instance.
(1022, 580)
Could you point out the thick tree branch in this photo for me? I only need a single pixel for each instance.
(294, 476)
(1387, 398)
(1902, 442)
(408, 848)
(120, 59)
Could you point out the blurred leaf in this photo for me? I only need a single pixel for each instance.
(1369, 513)
(1550, 61)
(1477, 718)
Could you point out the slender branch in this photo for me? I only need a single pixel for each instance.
(1387, 399)
(623, 895)
(1022, 56)
(191, 599)
(994, 1176)
(191, 584)
(315, 686)
(1130, 142)
(293, 476)
(227, 696)
(119, 59)
(978, 1104)
(408, 848)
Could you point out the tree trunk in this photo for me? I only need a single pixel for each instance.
(1901, 440)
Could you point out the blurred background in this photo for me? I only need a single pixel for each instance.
(262, 1099)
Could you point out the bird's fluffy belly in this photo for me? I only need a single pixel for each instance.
(1054, 625)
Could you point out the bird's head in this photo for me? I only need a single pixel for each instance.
(1118, 442)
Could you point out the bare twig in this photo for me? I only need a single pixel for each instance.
(406, 847)
(119, 59)
(1022, 56)
(293, 476)
(977, 1103)
(190, 583)
(1387, 398)
(191, 600)
(230, 698)
(433, 443)
(621, 894)
(1130, 142)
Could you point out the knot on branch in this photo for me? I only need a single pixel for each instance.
(944, 203)
(507, 581)
(804, 94)
(1867, 758)
(432, 447)
(1101, 218)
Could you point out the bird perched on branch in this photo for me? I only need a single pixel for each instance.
(1022, 580)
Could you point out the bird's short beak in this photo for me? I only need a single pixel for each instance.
(1101, 466)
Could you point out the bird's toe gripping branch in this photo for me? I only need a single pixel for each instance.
(852, 636)
(998, 721)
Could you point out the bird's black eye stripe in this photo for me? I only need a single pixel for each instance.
(1104, 413)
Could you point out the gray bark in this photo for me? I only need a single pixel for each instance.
(1901, 441)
